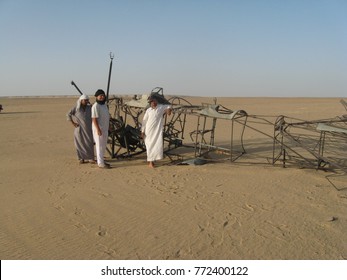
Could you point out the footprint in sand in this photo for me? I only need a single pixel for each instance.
(106, 250)
(248, 207)
(102, 231)
(344, 196)
(169, 202)
(82, 227)
(78, 212)
(63, 196)
(107, 195)
(50, 191)
(59, 207)
(201, 228)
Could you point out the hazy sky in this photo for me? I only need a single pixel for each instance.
(189, 47)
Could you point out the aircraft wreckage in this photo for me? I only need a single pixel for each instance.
(319, 144)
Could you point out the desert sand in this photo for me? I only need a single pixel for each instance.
(53, 208)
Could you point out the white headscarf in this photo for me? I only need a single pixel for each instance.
(82, 97)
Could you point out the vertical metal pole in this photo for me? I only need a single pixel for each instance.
(196, 136)
(321, 148)
(214, 123)
(203, 135)
(109, 77)
(231, 140)
(184, 124)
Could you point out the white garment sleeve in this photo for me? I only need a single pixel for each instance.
(144, 121)
(95, 113)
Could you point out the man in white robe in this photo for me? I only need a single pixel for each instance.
(100, 125)
(152, 130)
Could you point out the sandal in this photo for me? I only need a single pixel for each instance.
(81, 161)
(92, 161)
(105, 166)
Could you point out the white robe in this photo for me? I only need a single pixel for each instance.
(153, 127)
(101, 113)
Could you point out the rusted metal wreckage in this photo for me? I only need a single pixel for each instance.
(126, 126)
(318, 144)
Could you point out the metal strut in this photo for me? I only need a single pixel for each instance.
(109, 77)
(73, 83)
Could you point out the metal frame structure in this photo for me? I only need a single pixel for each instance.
(218, 112)
(124, 137)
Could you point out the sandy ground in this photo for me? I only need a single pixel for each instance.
(53, 208)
